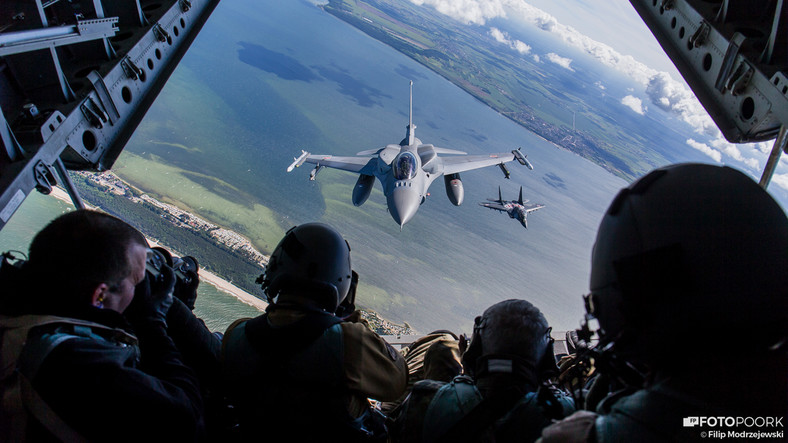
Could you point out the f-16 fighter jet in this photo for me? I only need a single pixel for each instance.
(407, 170)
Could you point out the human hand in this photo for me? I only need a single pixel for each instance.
(152, 297)
(186, 288)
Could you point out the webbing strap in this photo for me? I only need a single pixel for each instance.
(45, 415)
(19, 393)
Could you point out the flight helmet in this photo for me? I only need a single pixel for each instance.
(511, 336)
(312, 261)
(690, 251)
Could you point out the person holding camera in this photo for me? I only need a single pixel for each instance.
(305, 369)
(86, 355)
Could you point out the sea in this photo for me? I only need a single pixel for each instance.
(267, 78)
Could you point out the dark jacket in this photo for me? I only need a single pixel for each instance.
(107, 390)
(306, 376)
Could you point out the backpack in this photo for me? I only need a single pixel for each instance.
(21, 354)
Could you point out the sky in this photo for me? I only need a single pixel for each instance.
(614, 34)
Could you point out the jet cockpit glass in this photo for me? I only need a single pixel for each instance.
(404, 166)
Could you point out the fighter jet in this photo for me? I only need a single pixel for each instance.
(516, 209)
(407, 170)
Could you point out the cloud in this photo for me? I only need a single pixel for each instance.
(661, 89)
(521, 47)
(720, 146)
(780, 180)
(503, 37)
(560, 61)
(704, 148)
(498, 35)
(537, 59)
(468, 11)
(675, 98)
(664, 92)
(734, 151)
(599, 85)
(634, 104)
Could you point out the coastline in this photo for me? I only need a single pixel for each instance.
(235, 291)
(205, 276)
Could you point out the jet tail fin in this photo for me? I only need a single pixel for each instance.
(521, 196)
(410, 137)
(500, 197)
(410, 108)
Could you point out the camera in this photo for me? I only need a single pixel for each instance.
(185, 268)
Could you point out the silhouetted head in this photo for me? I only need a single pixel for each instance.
(84, 251)
(311, 265)
(691, 250)
(512, 336)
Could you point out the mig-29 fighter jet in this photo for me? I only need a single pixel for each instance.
(406, 170)
(517, 209)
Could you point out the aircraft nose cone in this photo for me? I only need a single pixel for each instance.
(403, 204)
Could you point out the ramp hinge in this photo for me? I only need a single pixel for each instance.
(93, 113)
(700, 36)
(45, 179)
(131, 70)
(160, 33)
(738, 81)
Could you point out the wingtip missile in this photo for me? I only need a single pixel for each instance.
(522, 159)
(298, 161)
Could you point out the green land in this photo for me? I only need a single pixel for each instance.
(508, 83)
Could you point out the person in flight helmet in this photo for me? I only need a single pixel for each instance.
(505, 394)
(304, 370)
(689, 283)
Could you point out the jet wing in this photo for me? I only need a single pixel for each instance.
(531, 208)
(352, 164)
(496, 206)
(439, 150)
(453, 165)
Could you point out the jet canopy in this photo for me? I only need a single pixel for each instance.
(405, 166)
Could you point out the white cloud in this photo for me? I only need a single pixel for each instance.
(560, 61)
(521, 47)
(468, 11)
(634, 104)
(599, 85)
(537, 59)
(734, 151)
(780, 180)
(704, 148)
(673, 97)
(503, 37)
(661, 89)
(498, 35)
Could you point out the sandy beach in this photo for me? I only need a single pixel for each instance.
(205, 276)
(235, 291)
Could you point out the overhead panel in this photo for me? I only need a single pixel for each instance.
(734, 55)
(76, 78)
